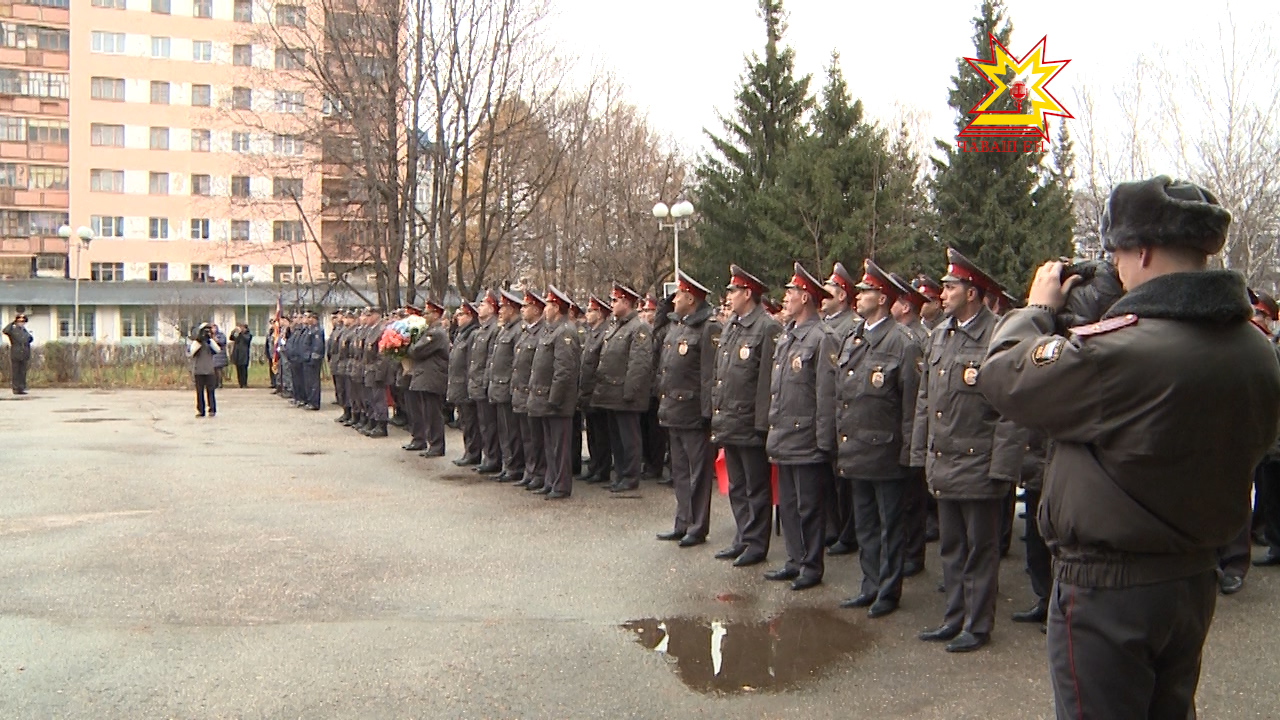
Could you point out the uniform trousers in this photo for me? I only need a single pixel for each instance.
(801, 492)
(1234, 558)
(1039, 561)
(311, 375)
(601, 462)
(433, 418)
(969, 533)
(297, 384)
(750, 496)
(242, 375)
(1126, 653)
(18, 375)
(487, 418)
(535, 449)
(575, 442)
(469, 424)
(415, 406)
(915, 513)
(692, 477)
(878, 504)
(841, 522)
(509, 434)
(1267, 503)
(375, 396)
(558, 474)
(339, 388)
(355, 395)
(653, 438)
(624, 441)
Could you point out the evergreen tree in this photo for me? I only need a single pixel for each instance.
(1002, 210)
(741, 220)
(904, 238)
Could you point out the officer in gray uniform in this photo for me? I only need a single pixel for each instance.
(971, 455)
(915, 510)
(840, 320)
(411, 400)
(355, 371)
(478, 381)
(531, 435)
(430, 378)
(19, 352)
(877, 381)
(601, 463)
(553, 391)
(378, 374)
(332, 345)
(458, 394)
(501, 361)
(623, 377)
(932, 312)
(740, 415)
(686, 371)
(802, 432)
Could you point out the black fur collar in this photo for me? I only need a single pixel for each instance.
(1216, 296)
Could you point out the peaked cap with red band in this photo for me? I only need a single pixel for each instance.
(433, 306)
(491, 297)
(691, 286)
(739, 278)
(411, 310)
(510, 299)
(597, 303)
(959, 269)
(1264, 304)
(534, 298)
(843, 280)
(554, 295)
(468, 308)
(622, 292)
(802, 280)
(908, 293)
(873, 278)
(928, 287)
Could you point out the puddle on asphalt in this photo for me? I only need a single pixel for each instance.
(77, 410)
(311, 452)
(97, 420)
(732, 657)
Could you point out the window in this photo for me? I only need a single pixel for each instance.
(289, 58)
(50, 132)
(199, 228)
(109, 4)
(285, 273)
(159, 92)
(47, 177)
(8, 175)
(46, 223)
(158, 228)
(33, 83)
(243, 11)
(288, 145)
(291, 16)
(101, 88)
(106, 135)
(239, 186)
(109, 181)
(240, 230)
(240, 270)
(240, 142)
(200, 140)
(54, 263)
(67, 327)
(242, 55)
(199, 273)
(201, 185)
(160, 6)
(201, 96)
(160, 47)
(158, 183)
(138, 322)
(106, 272)
(107, 225)
(159, 138)
(241, 98)
(13, 129)
(288, 101)
(202, 8)
(106, 42)
(287, 231)
(158, 272)
(286, 187)
(202, 51)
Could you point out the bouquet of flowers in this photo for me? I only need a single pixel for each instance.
(399, 335)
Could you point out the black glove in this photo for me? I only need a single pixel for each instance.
(1092, 296)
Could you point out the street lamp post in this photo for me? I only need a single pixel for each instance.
(245, 279)
(681, 218)
(83, 236)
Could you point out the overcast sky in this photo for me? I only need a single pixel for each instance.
(682, 59)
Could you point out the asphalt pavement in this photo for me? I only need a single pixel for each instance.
(268, 563)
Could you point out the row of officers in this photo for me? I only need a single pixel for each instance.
(852, 395)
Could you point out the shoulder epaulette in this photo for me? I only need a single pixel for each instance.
(1105, 326)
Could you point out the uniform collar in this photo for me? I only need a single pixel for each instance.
(750, 318)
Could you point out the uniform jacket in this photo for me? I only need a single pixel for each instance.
(841, 325)
(460, 364)
(553, 379)
(919, 333)
(241, 342)
(19, 342)
(331, 347)
(379, 370)
(659, 336)
(740, 394)
(968, 451)
(432, 361)
(478, 359)
(315, 346)
(592, 342)
(502, 357)
(625, 371)
(687, 369)
(345, 364)
(1157, 421)
(802, 425)
(877, 381)
(522, 365)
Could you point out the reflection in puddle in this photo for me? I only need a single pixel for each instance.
(732, 656)
(97, 420)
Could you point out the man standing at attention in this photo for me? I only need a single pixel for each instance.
(1158, 415)
(19, 353)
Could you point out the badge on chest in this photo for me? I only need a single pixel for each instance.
(682, 347)
(970, 376)
(877, 377)
(744, 352)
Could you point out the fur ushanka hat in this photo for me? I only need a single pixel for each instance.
(1162, 212)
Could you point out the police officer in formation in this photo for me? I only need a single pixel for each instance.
(466, 321)
(553, 392)
(428, 382)
(502, 355)
(624, 375)
(600, 465)
(478, 382)
(532, 438)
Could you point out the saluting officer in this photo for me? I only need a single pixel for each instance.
(458, 394)
(877, 381)
(553, 391)
(601, 463)
(801, 438)
(972, 457)
(740, 415)
(623, 379)
(686, 371)
(482, 341)
(501, 361)
(916, 514)
(531, 435)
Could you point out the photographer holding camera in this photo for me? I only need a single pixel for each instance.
(203, 349)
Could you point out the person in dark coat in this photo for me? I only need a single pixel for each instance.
(600, 465)
(916, 503)
(653, 437)
(378, 374)
(313, 360)
(332, 346)
(740, 415)
(458, 395)
(531, 437)
(1158, 415)
(623, 379)
(501, 363)
(553, 391)
(429, 383)
(19, 353)
(241, 345)
(202, 350)
(482, 340)
(839, 318)
(802, 430)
